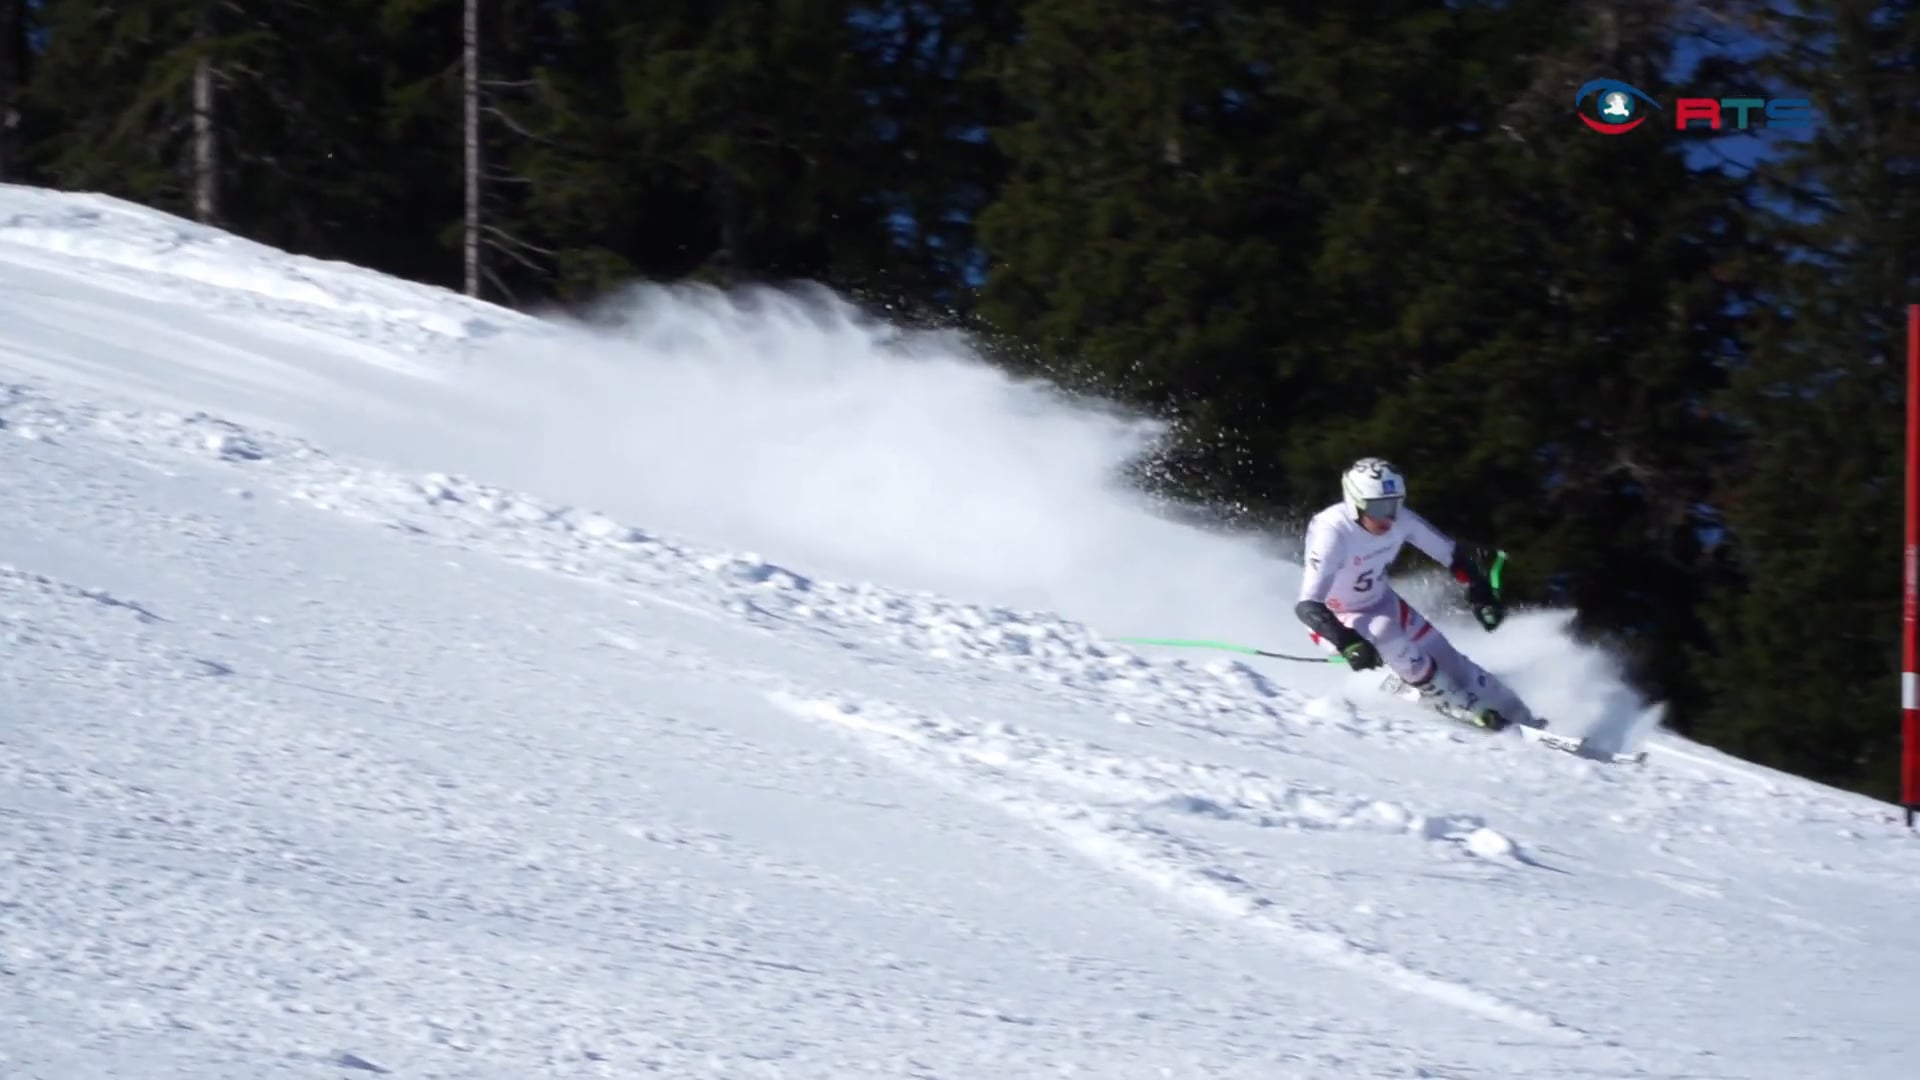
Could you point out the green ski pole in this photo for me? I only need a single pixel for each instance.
(1227, 646)
(1493, 576)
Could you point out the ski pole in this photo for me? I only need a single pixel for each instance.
(1493, 576)
(1186, 643)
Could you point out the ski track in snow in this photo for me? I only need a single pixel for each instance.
(311, 765)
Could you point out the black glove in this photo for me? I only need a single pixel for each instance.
(1358, 652)
(1361, 655)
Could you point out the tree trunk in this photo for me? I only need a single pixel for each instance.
(13, 79)
(206, 157)
(206, 153)
(472, 245)
(733, 225)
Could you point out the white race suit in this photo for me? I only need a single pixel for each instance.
(1346, 569)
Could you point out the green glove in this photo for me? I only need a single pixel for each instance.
(1361, 655)
(1482, 598)
(1491, 614)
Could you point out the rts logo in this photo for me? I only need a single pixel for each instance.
(1614, 106)
(1618, 108)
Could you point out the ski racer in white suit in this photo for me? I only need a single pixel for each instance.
(1349, 605)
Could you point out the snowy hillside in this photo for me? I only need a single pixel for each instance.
(394, 685)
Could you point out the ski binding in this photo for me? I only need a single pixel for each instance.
(1568, 744)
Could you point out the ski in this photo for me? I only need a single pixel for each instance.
(1566, 744)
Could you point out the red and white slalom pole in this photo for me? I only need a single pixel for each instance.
(1910, 664)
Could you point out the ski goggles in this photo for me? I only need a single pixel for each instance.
(1381, 509)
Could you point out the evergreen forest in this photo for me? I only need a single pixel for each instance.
(1667, 366)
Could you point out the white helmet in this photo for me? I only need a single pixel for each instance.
(1375, 488)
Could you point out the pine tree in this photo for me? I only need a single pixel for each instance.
(699, 138)
(1804, 659)
(328, 128)
(1151, 242)
(112, 105)
(450, 78)
(924, 159)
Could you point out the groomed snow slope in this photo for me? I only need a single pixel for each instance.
(388, 687)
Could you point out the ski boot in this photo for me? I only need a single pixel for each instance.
(1489, 719)
(1440, 692)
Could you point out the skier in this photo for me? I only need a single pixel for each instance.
(1348, 604)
